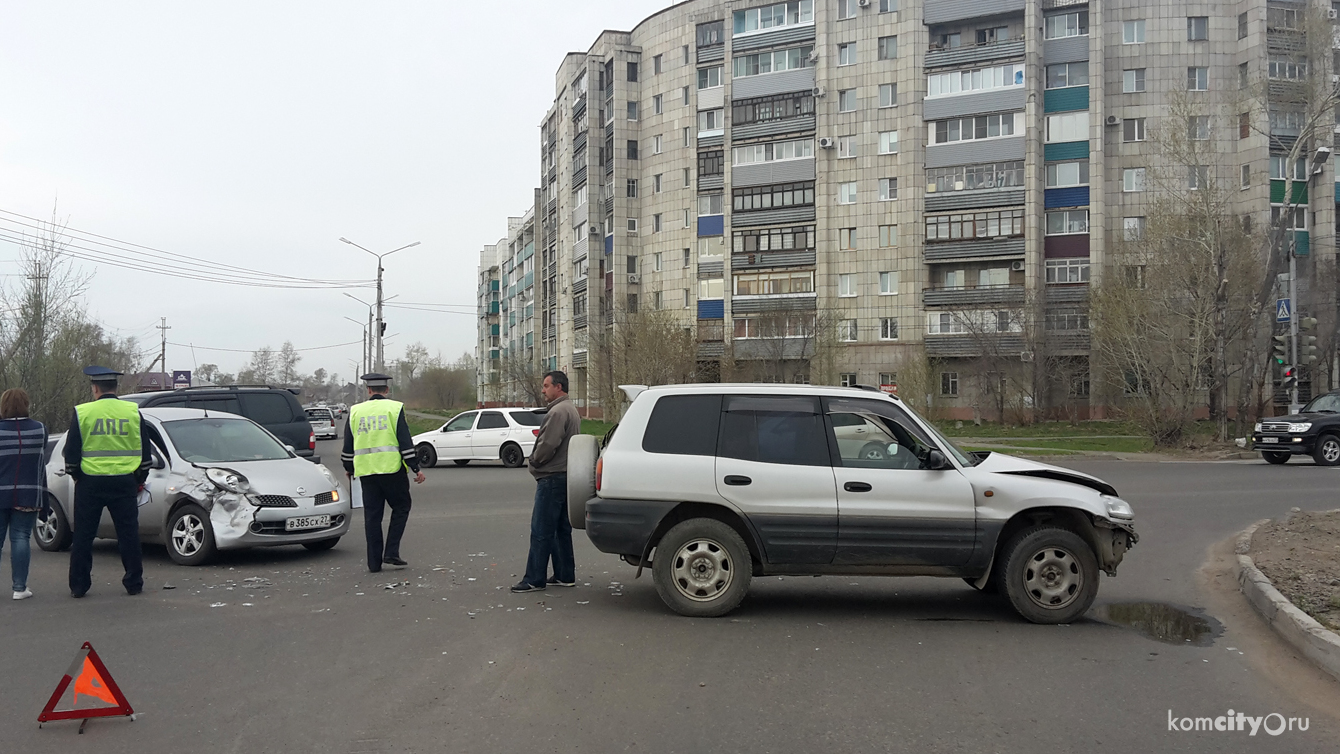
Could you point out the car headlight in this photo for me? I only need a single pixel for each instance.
(1258, 426)
(1118, 508)
(1302, 427)
(227, 479)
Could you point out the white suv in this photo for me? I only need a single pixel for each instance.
(495, 434)
(710, 485)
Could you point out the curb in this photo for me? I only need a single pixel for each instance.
(1293, 625)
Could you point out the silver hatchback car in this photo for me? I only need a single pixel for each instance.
(218, 482)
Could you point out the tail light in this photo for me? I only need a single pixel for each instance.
(600, 469)
(535, 432)
(311, 441)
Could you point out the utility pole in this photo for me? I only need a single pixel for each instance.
(1294, 405)
(380, 329)
(162, 353)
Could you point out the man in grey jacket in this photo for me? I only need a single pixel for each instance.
(550, 530)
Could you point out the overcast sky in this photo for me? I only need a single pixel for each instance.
(258, 133)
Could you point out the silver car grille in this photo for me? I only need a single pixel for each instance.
(275, 501)
(1281, 427)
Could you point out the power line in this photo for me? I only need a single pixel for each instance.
(430, 311)
(253, 350)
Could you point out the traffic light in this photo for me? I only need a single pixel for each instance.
(1307, 323)
(1307, 349)
(1281, 350)
(383, 330)
(1290, 379)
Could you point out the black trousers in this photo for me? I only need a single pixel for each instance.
(117, 495)
(379, 491)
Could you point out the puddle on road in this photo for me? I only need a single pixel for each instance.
(1161, 621)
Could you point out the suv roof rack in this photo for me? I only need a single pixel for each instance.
(294, 390)
(871, 388)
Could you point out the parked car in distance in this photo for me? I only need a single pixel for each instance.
(218, 482)
(275, 408)
(711, 485)
(495, 434)
(324, 424)
(1314, 431)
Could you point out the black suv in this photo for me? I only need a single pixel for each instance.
(275, 408)
(1314, 431)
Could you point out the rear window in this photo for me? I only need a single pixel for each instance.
(527, 418)
(225, 403)
(268, 408)
(684, 425)
(774, 429)
(320, 414)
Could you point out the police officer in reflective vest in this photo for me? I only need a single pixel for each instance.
(108, 456)
(378, 449)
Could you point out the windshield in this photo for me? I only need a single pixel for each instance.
(1323, 404)
(219, 440)
(527, 418)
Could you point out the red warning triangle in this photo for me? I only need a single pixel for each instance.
(93, 688)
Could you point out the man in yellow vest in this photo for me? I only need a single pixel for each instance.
(377, 450)
(108, 456)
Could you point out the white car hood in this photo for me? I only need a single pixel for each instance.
(998, 463)
(281, 476)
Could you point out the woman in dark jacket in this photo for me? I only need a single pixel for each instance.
(23, 481)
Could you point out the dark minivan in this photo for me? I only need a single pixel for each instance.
(275, 408)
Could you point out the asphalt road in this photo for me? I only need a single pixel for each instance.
(322, 656)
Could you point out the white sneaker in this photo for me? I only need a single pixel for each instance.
(25, 594)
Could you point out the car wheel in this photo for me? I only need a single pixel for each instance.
(1050, 574)
(583, 452)
(190, 536)
(702, 568)
(511, 456)
(1274, 456)
(427, 455)
(1328, 450)
(462, 461)
(321, 545)
(52, 531)
(873, 451)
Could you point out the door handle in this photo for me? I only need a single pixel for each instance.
(735, 480)
(856, 487)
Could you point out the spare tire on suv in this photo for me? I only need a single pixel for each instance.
(583, 453)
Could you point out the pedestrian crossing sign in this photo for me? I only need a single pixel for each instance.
(1283, 310)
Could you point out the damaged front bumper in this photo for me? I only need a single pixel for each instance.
(243, 519)
(1112, 538)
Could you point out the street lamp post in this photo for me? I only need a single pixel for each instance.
(381, 324)
(365, 344)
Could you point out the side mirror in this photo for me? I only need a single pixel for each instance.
(290, 449)
(157, 462)
(936, 461)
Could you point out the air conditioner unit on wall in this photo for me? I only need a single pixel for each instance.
(814, 55)
(1331, 13)
(1017, 266)
(1113, 120)
(819, 91)
(825, 143)
(634, 278)
(863, 3)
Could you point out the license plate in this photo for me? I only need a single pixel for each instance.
(1269, 440)
(306, 522)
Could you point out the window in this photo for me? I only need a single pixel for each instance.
(710, 204)
(656, 223)
(888, 236)
(460, 423)
(1242, 26)
(1132, 32)
(846, 9)
(1133, 129)
(656, 300)
(847, 379)
(688, 261)
(888, 189)
(958, 82)
(1277, 168)
(1066, 25)
(993, 35)
(773, 16)
(1242, 75)
(687, 299)
(976, 127)
(846, 286)
(1198, 127)
(888, 6)
(1286, 67)
(1244, 125)
(579, 197)
(950, 41)
(711, 289)
(685, 92)
(1281, 18)
(989, 224)
(775, 152)
(656, 65)
(1197, 28)
(888, 48)
(708, 78)
(1068, 127)
(771, 197)
(1133, 228)
(761, 63)
(847, 193)
(1133, 80)
(888, 95)
(773, 239)
(847, 101)
(710, 121)
(847, 332)
(1067, 74)
(579, 233)
(688, 177)
(632, 71)
(949, 383)
(711, 163)
(888, 328)
(775, 326)
(656, 149)
(846, 146)
(1073, 270)
(632, 111)
(656, 107)
(888, 283)
(1067, 320)
(1294, 219)
(1246, 176)
(632, 225)
(1133, 179)
(774, 283)
(1067, 222)
(846, 239)
(888, 142)
(994, 277)
(971, 177)
(1285, 120)
(766, 109)
(1134, 275)
(632, 149)
(656, 183)
(1197, 79)
(847, 54)
(632, 188)
(269, 408)
(1062, 174)
(684, 425)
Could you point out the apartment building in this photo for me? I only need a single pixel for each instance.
(506, 347)
(891, 180)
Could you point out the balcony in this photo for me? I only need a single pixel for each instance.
(967, 346)
(975, 249)
(946, 11)
(800, 124)
(776, 303)
(982, 294)
(945, 201)
(761, 259)
(1067, 293)
(966, 55)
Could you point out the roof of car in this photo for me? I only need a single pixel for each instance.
(771, 389)
(165, 414)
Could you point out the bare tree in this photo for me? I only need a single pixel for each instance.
(642, 348)
(286, 364)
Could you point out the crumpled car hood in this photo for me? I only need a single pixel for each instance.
(997, 463)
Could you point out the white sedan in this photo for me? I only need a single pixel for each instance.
(495, 434)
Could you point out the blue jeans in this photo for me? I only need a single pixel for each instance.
(550, 533)
(20, 525)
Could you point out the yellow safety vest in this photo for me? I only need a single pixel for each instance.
(109, 430)
(376, 448)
